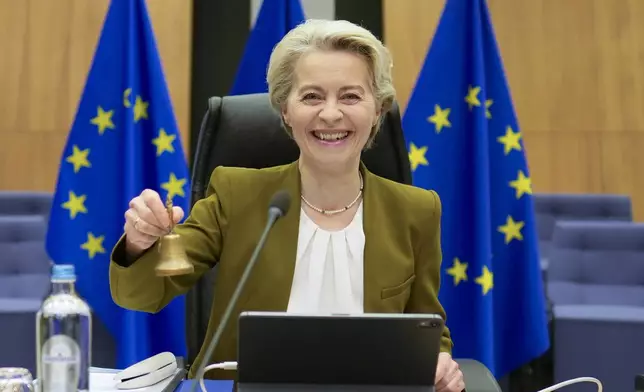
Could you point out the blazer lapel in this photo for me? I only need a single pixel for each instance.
(375, 253)
(276, 267)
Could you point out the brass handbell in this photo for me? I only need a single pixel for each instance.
(173, 260)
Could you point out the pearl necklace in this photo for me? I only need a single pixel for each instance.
(334, 212)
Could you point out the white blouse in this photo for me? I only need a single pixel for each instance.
(328, 269)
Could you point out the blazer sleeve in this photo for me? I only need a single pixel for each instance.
(424, 294)
(134, 284)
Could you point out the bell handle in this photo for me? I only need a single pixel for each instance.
(168, 207)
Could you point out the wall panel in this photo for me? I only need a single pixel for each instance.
(47, 47)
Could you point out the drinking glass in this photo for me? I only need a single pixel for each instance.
(15, 379)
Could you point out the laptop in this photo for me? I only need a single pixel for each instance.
(280, 351)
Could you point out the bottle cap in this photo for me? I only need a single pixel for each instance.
(63, 272)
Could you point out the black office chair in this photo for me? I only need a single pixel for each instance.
(245, 131)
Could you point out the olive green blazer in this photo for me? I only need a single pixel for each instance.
(402, 254)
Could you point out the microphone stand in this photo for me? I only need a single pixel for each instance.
(274, 214)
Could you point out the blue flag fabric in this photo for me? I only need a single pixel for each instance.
(274, 20)
(464, 142)
(124, 139)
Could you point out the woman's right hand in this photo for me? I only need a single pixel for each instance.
(146, 220)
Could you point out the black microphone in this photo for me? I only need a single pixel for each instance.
(278, 207)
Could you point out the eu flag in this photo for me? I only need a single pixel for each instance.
(275, 19)
(464, 142)
(124, 139)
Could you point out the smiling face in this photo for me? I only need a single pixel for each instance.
(331, 108)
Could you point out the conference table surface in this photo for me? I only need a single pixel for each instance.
(211, 386)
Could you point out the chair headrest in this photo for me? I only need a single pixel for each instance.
(20, 228)
(245, 131)
(25, 202)
(584, 206)
(620, 236)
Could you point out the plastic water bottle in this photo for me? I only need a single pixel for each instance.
(63, 336)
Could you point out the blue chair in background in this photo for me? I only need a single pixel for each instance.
(596, 284)
(25, 271)
(551, 208)
(24, 283)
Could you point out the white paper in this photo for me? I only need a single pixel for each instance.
(102, 379)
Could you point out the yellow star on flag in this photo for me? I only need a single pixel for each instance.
(512, 230)
(417, 156)
(472, 97)
(126, 97)
(486, 280)
(458, 271)
(75, 204)
(439, 118)
(510, 140)
(93, 245)
(174, 186)
(163, 142)
(140, 109)
(103, 120)
(522, 184)
(78, 158)
(488, 103)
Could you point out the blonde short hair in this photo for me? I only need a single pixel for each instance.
(330, 35)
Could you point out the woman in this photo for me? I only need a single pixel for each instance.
(352, 241)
